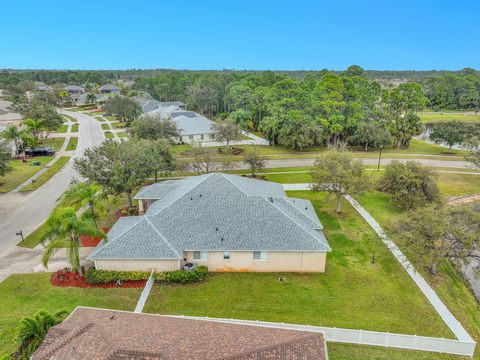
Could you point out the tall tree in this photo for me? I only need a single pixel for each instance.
(118, 167)
(451, 133)
(337, 172)
(125, 108)
(410, 184)
(160, 158)
(254, 161)
(35, 126)
(11, 133)
(64, 225)
(434, 234)
(154, 128)
(5, 157)
(89, 194)
(226, 131)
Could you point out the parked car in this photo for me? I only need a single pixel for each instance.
(40, 151)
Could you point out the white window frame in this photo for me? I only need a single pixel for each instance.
(263, 255)
(203, 255)
(226, 255)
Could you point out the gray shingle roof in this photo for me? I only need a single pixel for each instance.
(188, 122)
(73, 87)
(108, 87)
(215, 212)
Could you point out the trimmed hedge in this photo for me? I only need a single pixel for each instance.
(94, 276)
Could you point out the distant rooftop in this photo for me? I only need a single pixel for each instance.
(109, 87)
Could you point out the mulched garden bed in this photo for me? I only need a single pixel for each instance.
(68, 279)
(88, 241)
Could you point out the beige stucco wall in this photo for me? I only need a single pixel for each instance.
(276, 261)
(137, 265)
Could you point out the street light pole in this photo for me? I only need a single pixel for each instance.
(379, 157)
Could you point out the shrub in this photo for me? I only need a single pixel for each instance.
(94, 276)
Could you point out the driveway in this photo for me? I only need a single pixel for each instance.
(26, 211)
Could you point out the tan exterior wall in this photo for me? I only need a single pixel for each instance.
(243, 261)
(137, 265)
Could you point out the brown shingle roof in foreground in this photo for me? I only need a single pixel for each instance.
(106, 334)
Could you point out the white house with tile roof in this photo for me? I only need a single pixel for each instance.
(227, 222)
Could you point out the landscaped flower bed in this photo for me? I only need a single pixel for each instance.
(125, 279)
(65, 278)
(88, 241)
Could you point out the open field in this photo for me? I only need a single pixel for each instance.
(431, 117)
(21, 172)
(43, 178)
(23, 295)
(374, 294)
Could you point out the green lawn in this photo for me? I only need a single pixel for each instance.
(75, 127)
(458, 184)
(23, 295)
(43, 178)
(62, 129)
(100, 118)
(109, 135)
(122, 134)
(21, 172)
(430, 117)
(71, 118)
(55, 143)
(118, 125)
(72, 143)
(32, 239)
(353, 293)
(448, 284)
(105, 127)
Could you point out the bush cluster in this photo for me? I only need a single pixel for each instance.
(94, 276)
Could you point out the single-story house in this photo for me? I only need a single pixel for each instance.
(102, 334)
(194, 128)
(147, 104)
(74, 89)
(227, 222)
(109, 89)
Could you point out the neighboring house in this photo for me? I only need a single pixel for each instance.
(102, 334)
(81, 99)
(194, 128)
(227, 222)
(147, 104)
(109, 89)
(74, 89)
(43, 88)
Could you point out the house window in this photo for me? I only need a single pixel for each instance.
(226, 255)
(201, 137)
(200, 255)
(260, 255)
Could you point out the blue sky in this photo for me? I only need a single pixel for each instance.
(240, 34)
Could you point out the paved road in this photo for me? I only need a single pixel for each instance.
(25, 211)
(367, 161)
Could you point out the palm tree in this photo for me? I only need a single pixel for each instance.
(82, 193)
(35, 126)
(91, 98)
(12, 133)
(64, 225)
(33, 330)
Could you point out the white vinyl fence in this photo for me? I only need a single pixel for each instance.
(465, 345)
(374, 338)
(144, 296)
